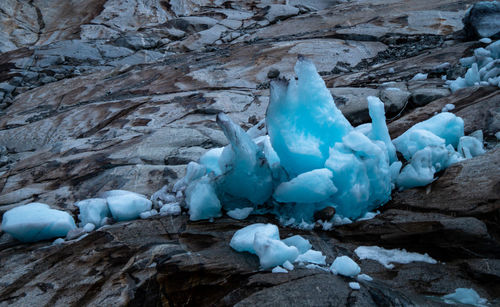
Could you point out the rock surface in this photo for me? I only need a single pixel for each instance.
(122, 94)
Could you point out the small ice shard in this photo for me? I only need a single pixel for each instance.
(89, 227)
(354, 285)
(210, 160)
(202, 200)
(444, 125)
(485, 40)
(312, 256)
(288, 265)
(272, 252)
(310, 187)
(303, 121)
(92, 210)
(145, 215)
(246, 172)
(299, 242)
(387, 256)
(419, 77)
(279, 269)
(457, 84)
(127, 206)
(379, 129)
(364, 277)
(242, 240)
(465, 296)
(470, 147)
(240, 214)
(194, 171)
(170, 209)
(368, 216)
(35, 222)
(472, 75)
(345, 266)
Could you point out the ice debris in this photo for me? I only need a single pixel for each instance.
(240, 214)
(465, 296)
(419, 77)
(364, 277)
(273, 252)
(243, 239)
(126, 206)
(312, 256)
(299, 242)
(312, 158)
(484, 68)
(279, 269)
(93, 210)
(345, 266)
(36, 222)
(387, 256)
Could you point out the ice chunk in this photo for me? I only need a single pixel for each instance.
(344, 265)
(272, 252)
(246, 172)
(444, 125)
(210, 160)
(469, 147)
(485, 40)
(303, 121)
(417, 139)
(354, 285)
(299, 242)
(312, 256)
(92, 210)
(194, 171)
(36, 222)
(240, 214)
(457, 84)
(465, 296)
(170, 209)
(279, 269)
(127, 206)
(472, 75)
(379, 127)
(364, 277)
(288, 265)
(310, 187)
(242, 240)
(58, 241)
(202, 200)
(119, 193)
(386, 256)
(419, 77)
(89, 227)
(361, 173)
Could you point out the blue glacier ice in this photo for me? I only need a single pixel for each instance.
(303, 121)
(126, 206)
(93, 210)
(246, 172)
(35, 222)
(312, 256)
(312, 158)
(299, 242)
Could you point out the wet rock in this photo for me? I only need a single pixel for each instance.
(352, 102)
(325, 214)
(394, 99)
(424, 95)
(279, 12)
(273, 73)
(482, 20)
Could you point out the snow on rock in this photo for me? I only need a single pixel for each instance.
(310, 187)
(240, 213)
(345, 266)
(243, 239)
(299, 242)
(386, 256)
(93, 210)
(354, 285)
(312, 256)
(272, 252)
(36, 222)
(465, 296)
(126, 206)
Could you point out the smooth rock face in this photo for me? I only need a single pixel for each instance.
(482, 20)
(122, 94)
